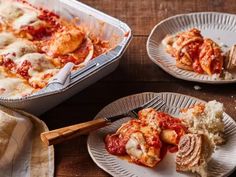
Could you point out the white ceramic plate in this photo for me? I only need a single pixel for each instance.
(220, 27)
(223, 160)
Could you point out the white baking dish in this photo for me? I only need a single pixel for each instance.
(105, 27)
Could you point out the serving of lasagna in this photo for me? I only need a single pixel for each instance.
(35, 43)
(195, 53)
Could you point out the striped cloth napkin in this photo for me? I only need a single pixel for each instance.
(22, 154)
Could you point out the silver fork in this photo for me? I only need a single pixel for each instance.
(62, 134)
(156, 102)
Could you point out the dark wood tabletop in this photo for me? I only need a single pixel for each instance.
(135, 74)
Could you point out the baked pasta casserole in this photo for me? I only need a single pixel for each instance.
(35, 43)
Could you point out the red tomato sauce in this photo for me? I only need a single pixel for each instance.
(115, 145)
(24, 68)
(216, 67)
(168, 122)
(8, 63)
(167, 148)
(197, 67)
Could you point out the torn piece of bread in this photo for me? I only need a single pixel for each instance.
(205, 119)
(194, 152)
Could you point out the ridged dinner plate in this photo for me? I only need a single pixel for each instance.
(223, 161)
(220, 27)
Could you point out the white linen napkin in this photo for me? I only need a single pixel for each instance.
(22, 154)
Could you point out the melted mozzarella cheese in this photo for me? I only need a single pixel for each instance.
(9, 11)
(40, 80)
(39, 63)
(135, 147)
(3, 74)
(29, 18)
(18, 49)
(14, 88)
(6, 39)
(18, 14)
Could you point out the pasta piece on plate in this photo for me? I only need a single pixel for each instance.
(195, 53)
(143, 139)
(210, 57)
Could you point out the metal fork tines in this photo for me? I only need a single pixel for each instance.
(156, 103)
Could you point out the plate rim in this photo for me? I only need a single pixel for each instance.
(125, 97)
(169, 71)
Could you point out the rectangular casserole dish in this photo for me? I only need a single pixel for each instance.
(107, 28)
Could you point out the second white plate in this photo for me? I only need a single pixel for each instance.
(220, 27)
(223, 161)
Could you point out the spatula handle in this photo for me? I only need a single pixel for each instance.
(62, 134)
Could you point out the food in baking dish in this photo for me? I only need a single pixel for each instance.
(35, 43)
(194, 52)
(194, 135)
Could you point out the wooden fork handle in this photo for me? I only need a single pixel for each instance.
(62, 134)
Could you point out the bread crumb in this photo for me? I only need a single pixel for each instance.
(197, 87)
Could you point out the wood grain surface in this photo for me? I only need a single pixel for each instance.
(135, 74)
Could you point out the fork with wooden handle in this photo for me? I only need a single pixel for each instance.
(62, 134)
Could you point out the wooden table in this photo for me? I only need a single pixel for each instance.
(135, 74)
